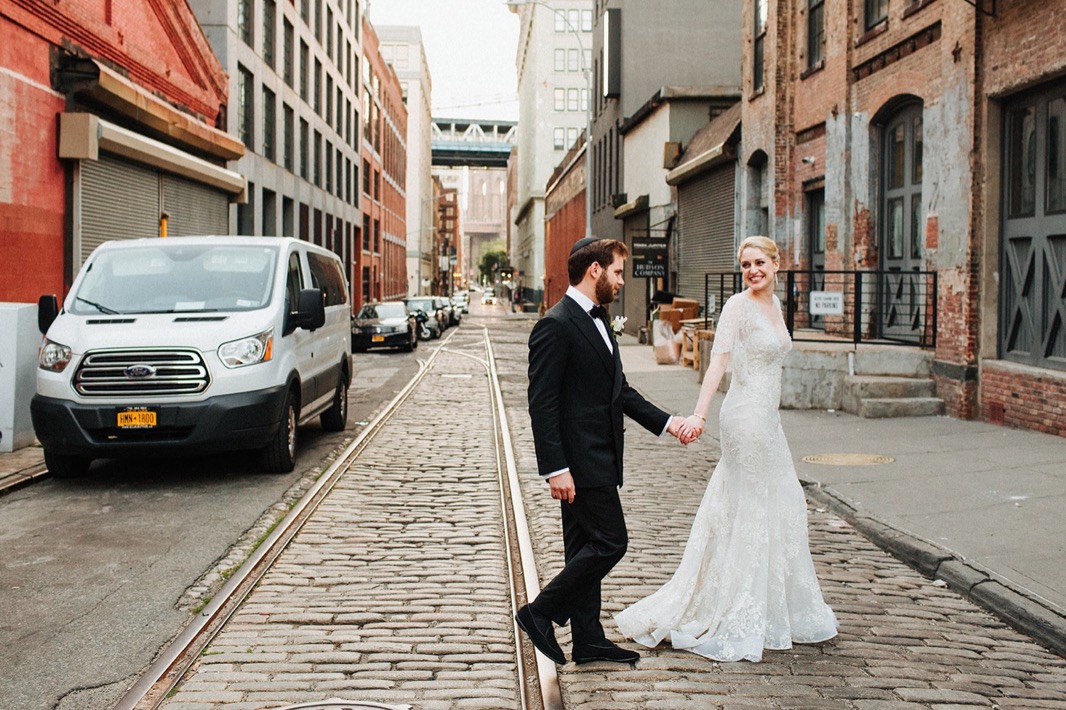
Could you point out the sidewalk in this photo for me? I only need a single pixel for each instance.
(975, 505)
(21, 468)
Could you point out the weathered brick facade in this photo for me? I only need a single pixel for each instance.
(158, 46)
(823, 125)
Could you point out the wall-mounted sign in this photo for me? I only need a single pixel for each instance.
(827, 303)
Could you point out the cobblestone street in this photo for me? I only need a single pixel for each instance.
(396, 590)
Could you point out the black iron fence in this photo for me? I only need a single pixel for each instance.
(852, 306)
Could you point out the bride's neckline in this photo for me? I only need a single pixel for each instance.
(770, 315)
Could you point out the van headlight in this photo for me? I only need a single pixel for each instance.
(53, 356)
(247, 351)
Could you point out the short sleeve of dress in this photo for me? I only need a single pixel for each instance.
(725, 333)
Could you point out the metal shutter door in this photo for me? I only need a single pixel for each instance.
(194, 208)
(119, 200)
(705, 220)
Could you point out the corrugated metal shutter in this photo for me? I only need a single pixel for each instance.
(119, 200)
(705, 235)
(194, 208)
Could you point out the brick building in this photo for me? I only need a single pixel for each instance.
(912, 137)
(564, 220)
(382, 271)
(110, 116)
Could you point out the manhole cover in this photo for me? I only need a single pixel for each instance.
(847, 459)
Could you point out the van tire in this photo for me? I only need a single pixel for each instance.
(279, 456)
(64, 466)
(336, 417)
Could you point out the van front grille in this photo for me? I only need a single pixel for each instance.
(111, 373)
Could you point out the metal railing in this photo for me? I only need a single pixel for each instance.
(889, 307)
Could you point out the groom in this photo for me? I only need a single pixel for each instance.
(577, 396)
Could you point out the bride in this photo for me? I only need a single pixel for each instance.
(746, 581)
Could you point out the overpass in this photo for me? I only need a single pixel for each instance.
(473, 143)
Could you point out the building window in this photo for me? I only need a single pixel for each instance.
(366, 239)
(329, 168)
(815, 32)
(305, 71)
(366, 178)
(270, 10)
(560, 21)
(572, 99)
(377, 236)
(584, 99)
(305, 149)
(560, 60)
(269, 124)
(245, 106)
(758, 66)
(586, 20)
(288, 138)
(316, 159)
(573, 60)
(876, 12)
(289, 70)
(560, 99)
(316, 98)
(305, 11)
(559, 139)
(244, 21)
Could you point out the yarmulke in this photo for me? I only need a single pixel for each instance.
(582, 243)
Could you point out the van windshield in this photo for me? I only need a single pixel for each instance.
(177, 278)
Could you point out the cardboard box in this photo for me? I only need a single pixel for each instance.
(671, 314)
(689, 307)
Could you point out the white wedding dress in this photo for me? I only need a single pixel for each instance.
(746, 579)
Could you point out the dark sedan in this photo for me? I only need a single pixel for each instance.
(384, 325)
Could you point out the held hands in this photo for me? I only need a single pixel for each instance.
(686, 430)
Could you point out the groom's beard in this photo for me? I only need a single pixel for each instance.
(605, 292)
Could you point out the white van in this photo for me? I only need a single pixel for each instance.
(191, 345)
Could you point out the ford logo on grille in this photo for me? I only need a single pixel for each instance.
(140, 371)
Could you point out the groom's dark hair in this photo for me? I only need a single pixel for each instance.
(601, 251)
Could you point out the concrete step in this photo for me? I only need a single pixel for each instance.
(881, 408)
(894, 361)
(860, 387)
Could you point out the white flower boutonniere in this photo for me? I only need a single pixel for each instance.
(618, 324)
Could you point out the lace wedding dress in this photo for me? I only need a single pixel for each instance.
(746, 579)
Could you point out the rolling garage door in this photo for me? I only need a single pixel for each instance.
(124, 200)
(194, 208)
(119, 200)
(705, 234)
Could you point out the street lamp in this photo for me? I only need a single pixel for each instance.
(586, 70)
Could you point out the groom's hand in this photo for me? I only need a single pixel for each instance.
(677, 427)
(562, 487)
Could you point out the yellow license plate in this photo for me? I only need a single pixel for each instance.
(137, 419)
(377, 338)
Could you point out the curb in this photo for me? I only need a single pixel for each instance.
(1015, 607)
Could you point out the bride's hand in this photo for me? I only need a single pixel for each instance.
(695, 424)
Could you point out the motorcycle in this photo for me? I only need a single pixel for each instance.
(422, 324)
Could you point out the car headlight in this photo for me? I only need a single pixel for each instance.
(247, 351)
(53, 357)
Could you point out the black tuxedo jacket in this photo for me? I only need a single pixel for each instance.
(577, 396)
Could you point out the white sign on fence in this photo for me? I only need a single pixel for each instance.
(827, 303)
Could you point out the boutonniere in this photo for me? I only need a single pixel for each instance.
(618, 324)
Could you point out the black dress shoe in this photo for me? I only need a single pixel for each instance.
(540, 631)
(604, 651)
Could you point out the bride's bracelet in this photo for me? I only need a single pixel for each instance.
(700, 416)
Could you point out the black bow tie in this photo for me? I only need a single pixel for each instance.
(598, 312)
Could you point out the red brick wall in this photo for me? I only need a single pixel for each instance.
(32, 187)
(1024, 397)
(564, 228)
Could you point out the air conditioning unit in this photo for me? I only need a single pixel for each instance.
(618, 199)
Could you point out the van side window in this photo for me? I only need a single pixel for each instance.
(293, 284)
(326, 274)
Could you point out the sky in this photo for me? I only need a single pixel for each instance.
(470, 46)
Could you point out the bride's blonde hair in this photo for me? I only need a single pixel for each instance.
(764, 244)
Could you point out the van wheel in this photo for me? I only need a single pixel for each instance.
(336, 417)
(279, 456)
(63, 466)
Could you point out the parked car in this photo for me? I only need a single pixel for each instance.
(189, 345)
(462, 299)
(488, 298)
(432, 307)
(384, 325)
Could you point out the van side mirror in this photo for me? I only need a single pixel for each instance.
(47, 311)
(311, 313)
